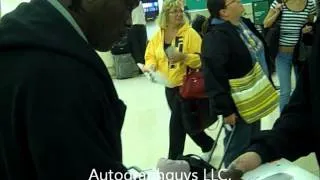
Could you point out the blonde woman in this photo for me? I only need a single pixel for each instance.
(182, 44)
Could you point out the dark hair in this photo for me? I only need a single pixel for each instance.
(205, 26)
(197, 23)
(214, 7)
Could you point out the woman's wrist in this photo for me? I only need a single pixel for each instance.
(185, 57)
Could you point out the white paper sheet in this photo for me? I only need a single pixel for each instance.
(155, 76)
(280, 170)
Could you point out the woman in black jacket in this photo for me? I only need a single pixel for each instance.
(230, 48)
(297, 132)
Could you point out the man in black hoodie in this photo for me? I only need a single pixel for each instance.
(60, 115)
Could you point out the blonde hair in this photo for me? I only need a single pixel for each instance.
(166, 7)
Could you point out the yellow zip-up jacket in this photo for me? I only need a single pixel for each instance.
(187, 41)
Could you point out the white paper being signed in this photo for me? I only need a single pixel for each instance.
(155, 76)
(280, 170)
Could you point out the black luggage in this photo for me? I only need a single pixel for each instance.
(199, 161)
(125, 66)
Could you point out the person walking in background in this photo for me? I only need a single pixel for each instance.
(297, 131)
(295, 14)
(137, 36)
(170, 51)
(231, 49)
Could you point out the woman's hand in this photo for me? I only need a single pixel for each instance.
(231, 119)
(148, 68)
(278, 7)
(178, 57)
(306, 29)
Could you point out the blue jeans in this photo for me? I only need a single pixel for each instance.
(241, 139)
(283, 69)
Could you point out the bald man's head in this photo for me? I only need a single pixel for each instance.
(102, 21)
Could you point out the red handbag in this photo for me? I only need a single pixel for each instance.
(193, 85)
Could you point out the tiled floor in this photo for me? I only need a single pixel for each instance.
(145, 133)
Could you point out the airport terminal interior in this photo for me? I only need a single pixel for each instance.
(145, 134)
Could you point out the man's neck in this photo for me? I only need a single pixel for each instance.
(234, 21)
(81, 23)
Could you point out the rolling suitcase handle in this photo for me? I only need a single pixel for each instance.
(227, 145)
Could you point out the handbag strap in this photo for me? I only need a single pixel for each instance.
(190, 70)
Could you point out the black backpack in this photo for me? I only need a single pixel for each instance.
(198, 22)
(198, 165)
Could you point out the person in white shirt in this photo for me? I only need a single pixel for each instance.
(138, 34)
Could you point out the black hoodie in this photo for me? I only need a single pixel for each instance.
(60, 115)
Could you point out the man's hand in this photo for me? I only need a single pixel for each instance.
(246, 162)
(231, 119)
(228, 174)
